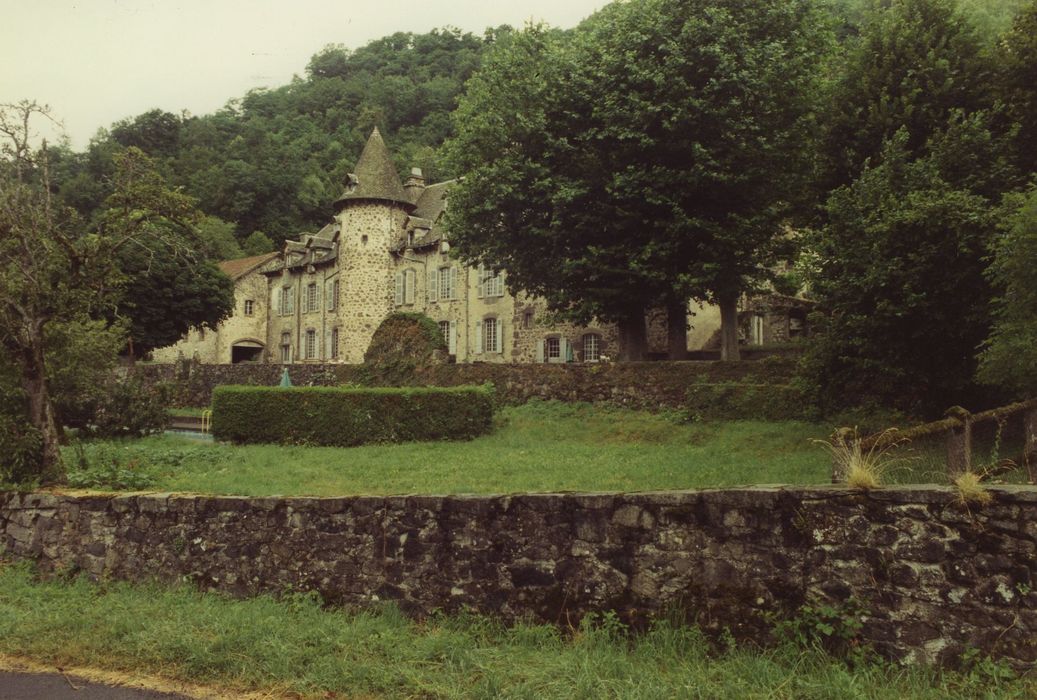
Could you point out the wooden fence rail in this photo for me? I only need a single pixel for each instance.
(957, 430)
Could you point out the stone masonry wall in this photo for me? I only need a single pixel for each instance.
(648, 385)
(929, 576)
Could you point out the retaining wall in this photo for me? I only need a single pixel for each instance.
(651, 385)
(932, 576)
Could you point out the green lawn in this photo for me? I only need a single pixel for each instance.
(535, 447)
(294, 646)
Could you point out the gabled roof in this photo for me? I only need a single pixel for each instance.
(375, 176)
(236, 269)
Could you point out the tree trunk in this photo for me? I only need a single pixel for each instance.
(677, 329)
(632, 339)
(729, 329)
(41, 411)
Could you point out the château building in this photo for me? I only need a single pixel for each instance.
(322, 297)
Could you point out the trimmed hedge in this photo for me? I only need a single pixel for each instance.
(347, 416)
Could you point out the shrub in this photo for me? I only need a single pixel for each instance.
(346, 416)
(403, 345)
(21, 448)
(129, 408)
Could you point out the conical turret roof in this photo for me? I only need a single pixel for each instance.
(375, 176)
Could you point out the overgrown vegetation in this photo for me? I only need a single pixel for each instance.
(402, 346)
(294, 646)
(347, 416)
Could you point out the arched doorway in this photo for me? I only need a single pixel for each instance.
(246, 351)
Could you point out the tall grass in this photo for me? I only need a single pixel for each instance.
(295, 646)
(541, 446)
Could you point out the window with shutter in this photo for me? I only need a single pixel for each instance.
(332, 295)
(334, 344)
(452, 338)
(432, 288)
(399, 288)
(408, 286)
(478, 337)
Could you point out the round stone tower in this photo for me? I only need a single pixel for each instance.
(372, 213)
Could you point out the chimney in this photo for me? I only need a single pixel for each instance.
(416, 180)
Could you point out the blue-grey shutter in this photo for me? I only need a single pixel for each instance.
(408, 286)
(433, 284)
(541, 350)
(478, 337)
(399, 288)
(452, 339)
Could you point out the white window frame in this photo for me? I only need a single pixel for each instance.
(310, 344)
(311, 298)
(491, 331)
(250, 307)
(286, 347)
(557, 341)
(491, 283)
(448, 283)
(592, 347)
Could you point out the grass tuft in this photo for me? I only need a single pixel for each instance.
(971, 489)
(865, 469)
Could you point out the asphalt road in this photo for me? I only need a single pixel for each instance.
(55, 686)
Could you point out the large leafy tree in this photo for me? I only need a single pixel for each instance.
(1009, 358)
(56, 275)
(1017, 83)
(900, 284)
(646, 158)
(915, 63)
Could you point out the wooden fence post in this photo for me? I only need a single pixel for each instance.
(959, 443)
(1030, 444)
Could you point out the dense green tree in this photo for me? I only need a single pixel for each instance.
(257, 243)
(900, 284)
(217, 239)
(916, 62)
(647, 158)
(1017, 84)
(1009, 358)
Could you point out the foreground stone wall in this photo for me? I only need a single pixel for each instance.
(651, 385)
(932, 577)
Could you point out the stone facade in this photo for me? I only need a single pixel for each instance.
(243, 336)
(926, 577)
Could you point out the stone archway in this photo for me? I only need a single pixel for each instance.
(246, 350)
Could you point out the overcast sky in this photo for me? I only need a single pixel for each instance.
(97, 61)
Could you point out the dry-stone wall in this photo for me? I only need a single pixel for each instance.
(931, 577)
(651, 385)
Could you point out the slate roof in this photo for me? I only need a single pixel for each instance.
(375, 176)
(311, 249)
(423, 227)
(236, 269)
